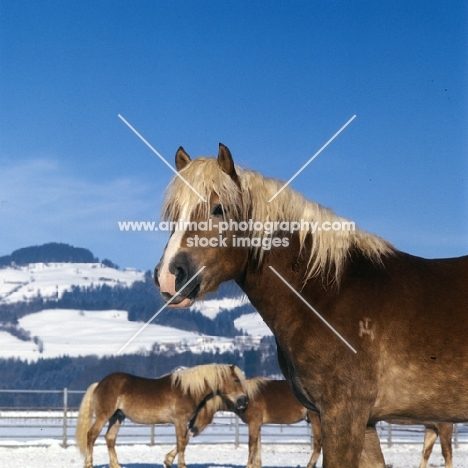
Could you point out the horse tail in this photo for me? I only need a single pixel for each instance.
(85, 417)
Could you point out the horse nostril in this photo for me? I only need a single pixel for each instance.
(181, 275)
(182, 268)
(155, 277)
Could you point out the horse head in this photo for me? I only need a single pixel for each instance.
(201, 252)
(232, 389)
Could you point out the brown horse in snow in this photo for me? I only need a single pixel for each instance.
(367, 332)
(270, 402)
(173, 398)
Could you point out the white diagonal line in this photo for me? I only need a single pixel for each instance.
(312, 158)
(160, 310)
(160, 157)
(312, 309)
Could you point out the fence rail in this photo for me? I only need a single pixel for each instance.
(43, 426)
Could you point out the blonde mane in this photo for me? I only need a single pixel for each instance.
(197, 380)
(254, 386)
(328, 249)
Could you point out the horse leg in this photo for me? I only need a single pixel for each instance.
(169, 458)
(93, 434)
(255, 460)
(182, 437)
(347, 439)
(111, 435)
(371, 456)
(430, 436)
(445, 434)
(314, 420)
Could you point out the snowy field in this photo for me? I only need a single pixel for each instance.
(253, 325)
(70, 332)
(77, 333)
(212, 307)
(284, 446)
(207, 456)
(51, 280)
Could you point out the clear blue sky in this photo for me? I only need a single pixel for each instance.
(272, 80)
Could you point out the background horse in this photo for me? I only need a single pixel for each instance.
(362, 327)
(444, 431)
(432, 431)
(270, 402)
(172, 398)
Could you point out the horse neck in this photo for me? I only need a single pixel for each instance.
(266, 291)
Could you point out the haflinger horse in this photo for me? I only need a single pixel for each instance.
(270, 402)
(402, 320)
(172, 398)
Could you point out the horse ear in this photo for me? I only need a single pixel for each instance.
(181, 159)
(225, 161)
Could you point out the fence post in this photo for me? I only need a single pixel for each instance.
(65, 411)
(152, 435)
(455, 435)
(389, 434)
(236, 442)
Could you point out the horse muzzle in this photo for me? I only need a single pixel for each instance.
(242, 403)
(177, 282)
(193, 431)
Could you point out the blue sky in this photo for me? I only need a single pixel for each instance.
(272, 80)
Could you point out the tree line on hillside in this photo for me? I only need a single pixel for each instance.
(79, 373)
(53, 252)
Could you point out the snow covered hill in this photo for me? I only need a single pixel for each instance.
(65, 332)
(253, 325)
(211, 308)
(50, 280)
(69, 332)
(62, 332)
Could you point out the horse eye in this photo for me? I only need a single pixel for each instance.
(218, 211)
(236, 380)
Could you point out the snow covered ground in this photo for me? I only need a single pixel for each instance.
(207, 456)
(212, 307)
(50, 280)
(69, 332)
(253, 325)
